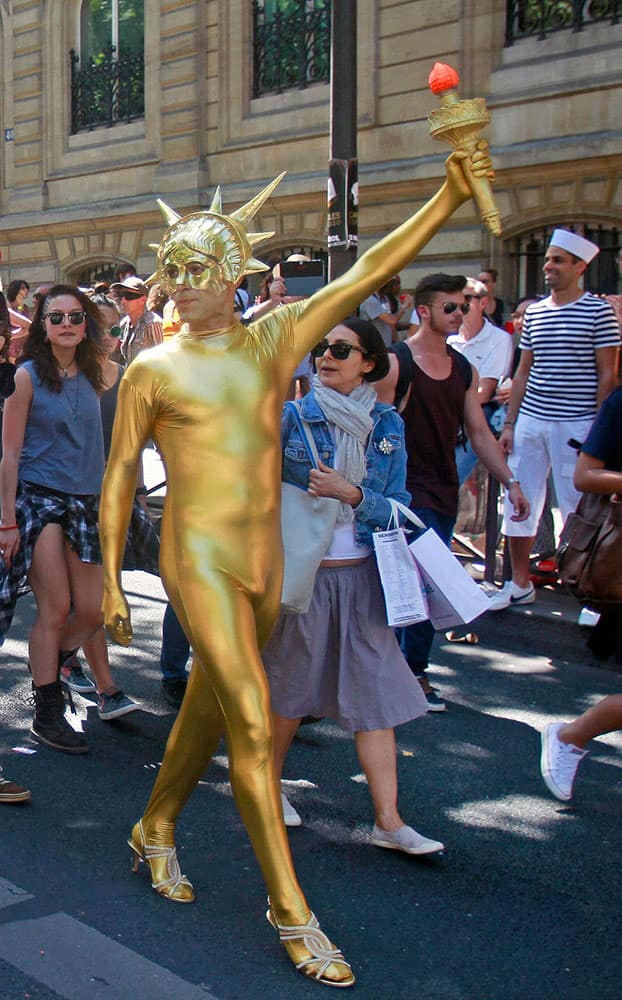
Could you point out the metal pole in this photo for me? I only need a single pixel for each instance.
(492, 529)
(342, 106)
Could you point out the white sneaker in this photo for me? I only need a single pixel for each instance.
(290, 816)
(559, 762)
(509, 595)
(405, 839)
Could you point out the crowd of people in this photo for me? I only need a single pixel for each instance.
(400, 402)
(130, 317)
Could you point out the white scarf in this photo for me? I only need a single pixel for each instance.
(351, 417)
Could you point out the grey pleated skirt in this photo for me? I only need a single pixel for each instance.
(341, 660)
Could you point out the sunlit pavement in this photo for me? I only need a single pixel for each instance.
(524, 905)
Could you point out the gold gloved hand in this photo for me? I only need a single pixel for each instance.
(117, 619)
(462, 167)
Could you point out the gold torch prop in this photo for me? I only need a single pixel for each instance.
(459, 122)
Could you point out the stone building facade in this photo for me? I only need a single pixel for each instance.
(76, 203)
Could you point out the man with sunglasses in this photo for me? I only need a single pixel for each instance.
(489, 350)
(140, 328)
(436, 390)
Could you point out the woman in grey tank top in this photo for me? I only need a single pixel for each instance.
(50, 479)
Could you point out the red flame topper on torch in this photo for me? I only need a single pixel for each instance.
(459, 122)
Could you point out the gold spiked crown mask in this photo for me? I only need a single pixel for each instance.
(209, 250)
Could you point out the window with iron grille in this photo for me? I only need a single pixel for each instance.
(291, 44)
(525, 18)
(107, 75)
(528, 252)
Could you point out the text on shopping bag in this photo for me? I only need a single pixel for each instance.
(403, 589)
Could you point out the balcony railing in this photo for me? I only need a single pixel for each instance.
(107, 90)
(291, 44)
(526, 18)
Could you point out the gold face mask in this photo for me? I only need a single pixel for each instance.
(183, 265)
(209, 250)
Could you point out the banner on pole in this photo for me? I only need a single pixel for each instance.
(343, 202)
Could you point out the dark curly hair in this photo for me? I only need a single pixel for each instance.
(89, 353)
(14, 287)
(5, 328)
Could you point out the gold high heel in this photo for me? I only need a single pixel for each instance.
(312, 953)
(162, 862)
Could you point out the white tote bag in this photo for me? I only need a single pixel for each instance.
(307, 525)
(404, 595)
(453, 597)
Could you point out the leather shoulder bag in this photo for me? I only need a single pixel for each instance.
(589, 557)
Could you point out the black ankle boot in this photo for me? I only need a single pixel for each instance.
(50, 726)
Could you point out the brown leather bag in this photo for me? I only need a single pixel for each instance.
(589, 557)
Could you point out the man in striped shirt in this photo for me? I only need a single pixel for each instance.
(569, 353)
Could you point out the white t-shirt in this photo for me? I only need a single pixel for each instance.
(490, 351)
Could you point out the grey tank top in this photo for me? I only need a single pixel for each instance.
(63, 444)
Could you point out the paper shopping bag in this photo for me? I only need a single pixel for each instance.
(404, 596)
(453, 597)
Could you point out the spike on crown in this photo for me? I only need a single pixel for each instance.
(201, 230)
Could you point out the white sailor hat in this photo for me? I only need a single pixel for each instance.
(574, 244)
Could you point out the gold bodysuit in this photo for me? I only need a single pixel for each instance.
(212, 404)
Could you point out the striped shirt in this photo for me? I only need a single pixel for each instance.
(563, 340)
(146, 333)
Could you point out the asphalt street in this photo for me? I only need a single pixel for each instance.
(524, 905)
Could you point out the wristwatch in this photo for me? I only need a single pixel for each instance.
(511, 482)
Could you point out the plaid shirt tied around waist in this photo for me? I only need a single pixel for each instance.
(35, 506)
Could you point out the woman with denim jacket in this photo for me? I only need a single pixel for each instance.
(340, 659)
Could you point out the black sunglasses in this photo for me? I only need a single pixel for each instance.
(130, 295)
(75, 317)
(339, 351)
(450, 307)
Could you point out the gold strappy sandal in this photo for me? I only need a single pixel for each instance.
(167, 879)
(324, 963)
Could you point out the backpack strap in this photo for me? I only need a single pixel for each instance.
(463, 365)
(406, 367)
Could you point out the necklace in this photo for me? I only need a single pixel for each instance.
(75, 401)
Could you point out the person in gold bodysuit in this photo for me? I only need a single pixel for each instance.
(211, 399)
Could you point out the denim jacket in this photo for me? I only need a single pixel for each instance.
(385, 461)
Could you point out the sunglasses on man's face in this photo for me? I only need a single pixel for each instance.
(75, 317)
(130, 295)
(450, 307)
(339, 351)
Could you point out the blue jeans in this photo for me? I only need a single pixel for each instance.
(466, 460)
(175, 648)
(416, 640)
